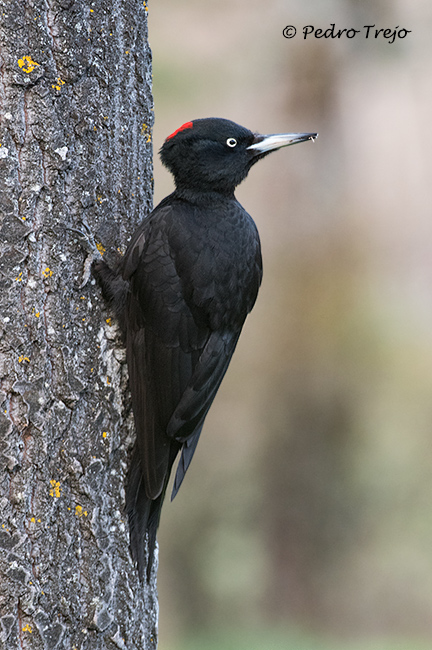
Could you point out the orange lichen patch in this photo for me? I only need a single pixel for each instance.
(80, 512)
(23, 358)
(101, 249)
(55, 489)
(146, 131)
(59, 84)
(27, 628)
(27, 64)
(47, 273)
(104, 434)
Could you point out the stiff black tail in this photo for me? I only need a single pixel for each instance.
(144, 516)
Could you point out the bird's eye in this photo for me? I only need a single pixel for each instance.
(231, 142)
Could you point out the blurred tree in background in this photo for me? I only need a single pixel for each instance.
(308, 503)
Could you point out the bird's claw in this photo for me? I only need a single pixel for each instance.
(94, 251)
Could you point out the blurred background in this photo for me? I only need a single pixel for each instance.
(305, 520)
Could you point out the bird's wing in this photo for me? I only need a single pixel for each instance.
(187, 420)
(203, 385)
(163, 344)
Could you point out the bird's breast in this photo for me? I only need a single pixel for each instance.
(220, 267)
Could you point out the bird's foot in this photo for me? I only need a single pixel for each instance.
(88, 244)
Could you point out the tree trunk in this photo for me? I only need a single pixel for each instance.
(75, 157)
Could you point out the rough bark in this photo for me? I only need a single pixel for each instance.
(75, 154)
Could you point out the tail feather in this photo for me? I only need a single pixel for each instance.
(144, 516)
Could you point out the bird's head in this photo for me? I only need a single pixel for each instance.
(214, 154)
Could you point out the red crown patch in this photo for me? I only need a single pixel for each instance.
(186, 125)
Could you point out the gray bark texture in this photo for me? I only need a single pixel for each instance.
(75, 157)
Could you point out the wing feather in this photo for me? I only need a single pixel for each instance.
(163, 343)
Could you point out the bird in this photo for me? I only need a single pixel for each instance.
(181, 294)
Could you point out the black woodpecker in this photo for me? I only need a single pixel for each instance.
(181, 294)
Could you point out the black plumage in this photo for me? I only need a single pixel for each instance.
(181, 293)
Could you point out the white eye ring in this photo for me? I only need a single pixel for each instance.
(231, 142)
